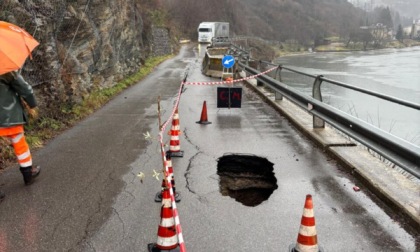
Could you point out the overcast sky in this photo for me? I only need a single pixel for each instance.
(409, 8)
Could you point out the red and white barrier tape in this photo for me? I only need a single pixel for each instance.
(227, 82)
(171, 191)
(174, 208)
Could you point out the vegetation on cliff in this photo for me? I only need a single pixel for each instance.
(88, 52)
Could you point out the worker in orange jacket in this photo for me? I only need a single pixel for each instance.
(14, 91)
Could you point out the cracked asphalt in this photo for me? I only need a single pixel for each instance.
(89, 197)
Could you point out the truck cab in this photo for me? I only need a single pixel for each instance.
(205, 32)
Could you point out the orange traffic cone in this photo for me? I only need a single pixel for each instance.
(158, 197)
(167, 237)
(307, 238)
(175, 121)
(171, 174)
(174, 147)
(203, 119)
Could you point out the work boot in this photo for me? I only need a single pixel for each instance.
(2, 195)
(29, 173)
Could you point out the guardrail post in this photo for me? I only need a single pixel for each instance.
(278, 95)
(316, 94)
(239, 69)
(205, 64)
(259, 83)
(247, 63)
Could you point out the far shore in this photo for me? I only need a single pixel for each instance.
(340, 47)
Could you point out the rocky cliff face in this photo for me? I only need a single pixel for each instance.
(84, 45)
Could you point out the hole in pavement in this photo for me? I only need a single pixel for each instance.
(247, 178)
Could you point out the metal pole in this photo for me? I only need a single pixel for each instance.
(278, 95)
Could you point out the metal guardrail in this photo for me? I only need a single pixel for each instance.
(396, 150)
(342, 84)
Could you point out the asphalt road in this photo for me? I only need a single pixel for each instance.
(89, 198)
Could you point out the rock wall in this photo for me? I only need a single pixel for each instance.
(161, 41)
(84, 45)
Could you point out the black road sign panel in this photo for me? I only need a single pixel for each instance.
(229, 97)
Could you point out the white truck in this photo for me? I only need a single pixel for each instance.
(209, 30)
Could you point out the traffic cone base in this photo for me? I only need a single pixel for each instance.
(316, 249)
(158, 197)
(175, 153)
(152, 248)
(203, 118)
(203, 122)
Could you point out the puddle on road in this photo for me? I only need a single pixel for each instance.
(247, 178)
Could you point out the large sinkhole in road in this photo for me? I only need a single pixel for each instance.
(247, 178)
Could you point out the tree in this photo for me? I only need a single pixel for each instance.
(362, 35)
(379, 34)
(383, 16)
(397, 20)
(400, 33)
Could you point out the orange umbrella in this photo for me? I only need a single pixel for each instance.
(15, 46)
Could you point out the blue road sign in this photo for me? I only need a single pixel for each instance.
(228, 61)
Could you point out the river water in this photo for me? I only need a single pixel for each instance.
(394, 72)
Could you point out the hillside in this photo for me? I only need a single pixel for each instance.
(302, 20)
(305, 20)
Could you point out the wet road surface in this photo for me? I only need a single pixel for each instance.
(89, 198)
